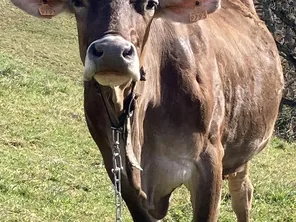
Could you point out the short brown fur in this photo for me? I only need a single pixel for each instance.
(217, 99)
(211, 105)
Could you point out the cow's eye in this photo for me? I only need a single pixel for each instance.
(78, 3)
(151, 4)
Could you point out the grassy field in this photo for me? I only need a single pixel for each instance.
(51, 170)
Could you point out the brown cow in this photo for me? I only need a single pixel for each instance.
(250, 4)
(208, 105)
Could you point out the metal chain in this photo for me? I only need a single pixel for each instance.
(117, 167)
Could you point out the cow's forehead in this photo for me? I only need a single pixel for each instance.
(112, 1)
(111, 8)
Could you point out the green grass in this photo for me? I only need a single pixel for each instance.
(51, 170)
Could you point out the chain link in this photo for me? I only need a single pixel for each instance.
(117, 168)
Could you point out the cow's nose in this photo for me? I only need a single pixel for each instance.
(111, 58)
(96, 51)
(116, 49)
(128, 52)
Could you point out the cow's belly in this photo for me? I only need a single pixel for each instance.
(247, 134)
(236, 155)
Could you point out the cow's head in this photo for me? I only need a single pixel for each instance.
(112, 33)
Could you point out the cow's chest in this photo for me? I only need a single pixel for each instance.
(168, 161)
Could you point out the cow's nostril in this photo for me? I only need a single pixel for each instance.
(97, 51)
(129, 52)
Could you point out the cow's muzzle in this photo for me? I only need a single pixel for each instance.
(112, 61)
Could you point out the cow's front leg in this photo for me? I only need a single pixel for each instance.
(132, 199)
(206, 185)
(138, 212)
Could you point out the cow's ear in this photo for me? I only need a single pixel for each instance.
(41, 8)
(187, 11)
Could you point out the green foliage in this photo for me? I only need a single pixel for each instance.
(51, 170)
(286, 123)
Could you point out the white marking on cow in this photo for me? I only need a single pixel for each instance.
(238, 92)
(186, 46)
(257, 86)
(89, 69)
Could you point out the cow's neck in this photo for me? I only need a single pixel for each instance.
(148, 94)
